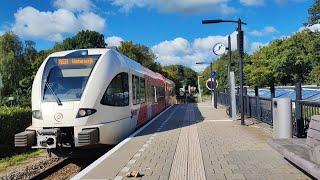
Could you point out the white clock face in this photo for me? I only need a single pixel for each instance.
(219, 49)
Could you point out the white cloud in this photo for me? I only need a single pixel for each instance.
(181, 51)
(313, 28)
(114, 41)
(265, 31)
(73, 5)
(189, 6)
(91, 21)
(252, 2)
(257, 45)
(30, 22)
(2, 32)
(176, 46)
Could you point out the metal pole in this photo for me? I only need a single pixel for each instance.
(211, 84)
(229, 70)
(233, 96)
(240, 51)
(199, 88)
(299, 119)
(273, 95)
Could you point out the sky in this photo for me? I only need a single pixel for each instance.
(172, 29)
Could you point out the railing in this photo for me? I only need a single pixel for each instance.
(260, 108)
(308, 109)
(223, 99)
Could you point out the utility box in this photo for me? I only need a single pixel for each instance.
(282, 118)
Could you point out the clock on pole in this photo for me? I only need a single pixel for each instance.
(219, 49)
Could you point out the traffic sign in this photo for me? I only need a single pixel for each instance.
(214, 74)
(211, 85)
(181, 93)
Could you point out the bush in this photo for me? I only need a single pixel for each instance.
(13, 120)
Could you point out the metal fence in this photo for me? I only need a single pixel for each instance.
(302, 113)
(260, 108)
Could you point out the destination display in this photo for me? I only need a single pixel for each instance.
(76, 61)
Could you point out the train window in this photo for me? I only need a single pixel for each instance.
(154, 94)
(142, 91)
(135, 90)
(117, 93)
(160, 94)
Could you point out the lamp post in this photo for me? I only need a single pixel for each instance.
(229, 70)
(213, 101)
(199, 88)
(240, 52)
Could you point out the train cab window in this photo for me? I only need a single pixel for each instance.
(117, 93)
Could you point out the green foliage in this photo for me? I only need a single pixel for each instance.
(83, 40)
(285, 61)
(15, 62)
(17, 159)
(142, 54)
(314, 13)
(13, 120)
(221, 67)
(315, 75)
(180, 75)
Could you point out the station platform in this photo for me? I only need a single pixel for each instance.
(194, 141)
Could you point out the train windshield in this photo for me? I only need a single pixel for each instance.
(64, 79)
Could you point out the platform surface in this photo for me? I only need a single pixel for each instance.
(195, 141)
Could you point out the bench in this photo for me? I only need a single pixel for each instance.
(305, 153)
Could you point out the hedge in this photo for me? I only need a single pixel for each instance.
(13, 120)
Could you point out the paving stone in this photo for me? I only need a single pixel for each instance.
(233, 176)
(192, 145)
(215, 176)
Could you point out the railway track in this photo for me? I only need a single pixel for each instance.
(52, 169)
(66, 168)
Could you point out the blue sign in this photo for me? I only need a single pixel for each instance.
(213, 74)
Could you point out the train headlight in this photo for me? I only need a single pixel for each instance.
(85, 112)
(37, 114)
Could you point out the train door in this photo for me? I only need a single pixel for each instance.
(115, 104)
(135, 100)
(139, 105)
(150, 99)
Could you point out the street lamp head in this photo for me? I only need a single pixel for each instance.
(215, 21)
(202, 63)
(211, 21)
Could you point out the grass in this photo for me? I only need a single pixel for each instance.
(16, 159)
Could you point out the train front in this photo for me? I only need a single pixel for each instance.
(56, 94)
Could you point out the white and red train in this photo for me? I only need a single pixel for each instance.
(88, 97)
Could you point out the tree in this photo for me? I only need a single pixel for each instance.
(315, 75)
(180, 75)
(314, 13)
(285, 61)
(220, 66)
(11, 62)
(83, 40)
(140, 53)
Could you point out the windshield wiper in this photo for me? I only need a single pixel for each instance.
(54, 94)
